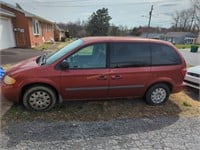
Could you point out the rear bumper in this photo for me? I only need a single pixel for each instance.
(178, 88)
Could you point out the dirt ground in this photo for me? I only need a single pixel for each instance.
(183, 104)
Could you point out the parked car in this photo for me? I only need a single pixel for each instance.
(98, 68)
(2, 73)
(192, 78)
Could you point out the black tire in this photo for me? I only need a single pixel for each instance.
(39, 98)
(157, 94)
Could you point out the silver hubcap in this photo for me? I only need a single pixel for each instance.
(158, 95)
(39, 100)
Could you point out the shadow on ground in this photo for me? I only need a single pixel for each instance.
(88, 119)
(193, 93)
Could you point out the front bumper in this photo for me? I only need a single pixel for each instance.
(192, 81)
(10, 92)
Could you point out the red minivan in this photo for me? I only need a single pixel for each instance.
(97, 68)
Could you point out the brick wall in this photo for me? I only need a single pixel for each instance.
(48, 31)
(45, 35)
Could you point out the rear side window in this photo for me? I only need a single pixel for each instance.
(123, 55)
(164, 55)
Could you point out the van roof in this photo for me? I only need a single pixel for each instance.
(97, 39)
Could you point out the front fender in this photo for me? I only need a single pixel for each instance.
(46, 81)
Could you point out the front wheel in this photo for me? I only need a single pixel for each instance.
(157, 94)
(39, 98)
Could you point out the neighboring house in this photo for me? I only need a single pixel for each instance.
(19, 28)
(58, 33)
(198, 39)
(180, 37)
(152, 35)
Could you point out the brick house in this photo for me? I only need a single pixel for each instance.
(19, 28)
(58, 33)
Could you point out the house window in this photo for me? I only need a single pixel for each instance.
(36, 27)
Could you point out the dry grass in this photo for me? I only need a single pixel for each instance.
(182, 104)
(7, 66)
(52, 45)
(188, 102)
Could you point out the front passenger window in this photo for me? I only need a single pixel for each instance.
(92, 56)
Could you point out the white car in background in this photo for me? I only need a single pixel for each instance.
(192, 78)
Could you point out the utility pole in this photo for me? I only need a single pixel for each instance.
(150, 14)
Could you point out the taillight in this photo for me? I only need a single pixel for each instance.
(184, 71)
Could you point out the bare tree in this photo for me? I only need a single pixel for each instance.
(196, 7)
(187, 19)
(176, 20)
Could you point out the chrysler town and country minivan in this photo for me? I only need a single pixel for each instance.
(97, 68)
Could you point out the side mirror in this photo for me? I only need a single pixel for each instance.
(64, 65)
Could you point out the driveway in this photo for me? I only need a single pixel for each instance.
(191, 58)
(14, 55)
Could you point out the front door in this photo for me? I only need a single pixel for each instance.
(87, 76)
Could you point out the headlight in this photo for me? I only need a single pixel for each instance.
(9, 80)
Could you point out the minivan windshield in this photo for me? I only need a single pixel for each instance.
(55, 56)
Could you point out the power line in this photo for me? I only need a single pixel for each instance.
(66, 4)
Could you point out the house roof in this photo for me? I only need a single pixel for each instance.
(57, 27)
(180, 34)
(4, 12)
(27, 14)
(30, 15)
(152, 35)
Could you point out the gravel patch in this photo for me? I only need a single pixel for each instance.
(141, 133)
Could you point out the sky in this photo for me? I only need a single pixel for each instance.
(130, 13)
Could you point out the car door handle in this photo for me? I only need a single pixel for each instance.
(116, 77)
(102, 77)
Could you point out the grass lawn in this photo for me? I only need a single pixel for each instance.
(52, 45)
(184, 104)
(184, 46)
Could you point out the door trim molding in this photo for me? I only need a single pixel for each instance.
(104, 88)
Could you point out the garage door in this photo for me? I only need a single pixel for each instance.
(6, 33)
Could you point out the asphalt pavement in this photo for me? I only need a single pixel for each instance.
(192, 59)
(14, 55)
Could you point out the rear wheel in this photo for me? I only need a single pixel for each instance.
(39, 98)
(157, 94)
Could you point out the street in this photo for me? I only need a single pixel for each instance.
(192, 59)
